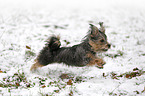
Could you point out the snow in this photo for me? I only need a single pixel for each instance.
(30, 23)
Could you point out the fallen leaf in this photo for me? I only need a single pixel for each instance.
(28, 47)
(69, 82)
(1, 71)
(43, 86)
(17, 84)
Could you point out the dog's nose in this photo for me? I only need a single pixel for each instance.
(109, 45)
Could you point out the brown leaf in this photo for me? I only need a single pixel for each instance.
(69, 82)
(43, 86)
(17, 84)
(1, 71)
(28, 85)
(28, 47)
(127, 76)
(1, 85)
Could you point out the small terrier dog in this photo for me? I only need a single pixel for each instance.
(83, 54)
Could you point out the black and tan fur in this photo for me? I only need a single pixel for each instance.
(83, 54)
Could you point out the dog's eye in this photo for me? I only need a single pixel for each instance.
(102, 40)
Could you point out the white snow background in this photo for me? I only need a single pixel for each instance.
(30, 23)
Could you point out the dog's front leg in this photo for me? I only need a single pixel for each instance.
(98, 62)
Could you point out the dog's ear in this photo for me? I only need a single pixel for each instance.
(102, 28)
(94, 30)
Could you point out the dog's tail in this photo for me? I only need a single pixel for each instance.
(45, 56)
(53, 43)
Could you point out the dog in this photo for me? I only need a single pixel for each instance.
(83, 54)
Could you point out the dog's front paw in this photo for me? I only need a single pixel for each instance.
(100, 63)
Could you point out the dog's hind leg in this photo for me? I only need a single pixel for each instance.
(45, 56)
(35, 66)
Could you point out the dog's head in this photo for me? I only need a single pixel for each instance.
(98, 38)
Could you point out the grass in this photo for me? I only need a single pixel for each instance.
(14, 82)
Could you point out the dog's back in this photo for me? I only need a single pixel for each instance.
(74, 56)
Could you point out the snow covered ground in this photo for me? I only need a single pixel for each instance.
(26, 24)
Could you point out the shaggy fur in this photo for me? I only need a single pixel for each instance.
(83, 54)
